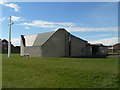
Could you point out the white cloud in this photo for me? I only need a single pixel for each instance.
(71, 27)
(10, 5)
(2, 18)
(106, 41)
(46, 24)
(3, 1)
(14, 6)
(16, 18)
(81, 29)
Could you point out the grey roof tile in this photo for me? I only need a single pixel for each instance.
(42, 38)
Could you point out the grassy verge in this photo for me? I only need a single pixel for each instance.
(36, 72)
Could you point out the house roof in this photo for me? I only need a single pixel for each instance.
(4, 40)
(117, 44)
(42, 38)
(37, 39)
(99, 44)
(78, 38)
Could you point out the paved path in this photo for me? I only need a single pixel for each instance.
(114, 56)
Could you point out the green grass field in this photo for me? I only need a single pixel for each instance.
(36, 72)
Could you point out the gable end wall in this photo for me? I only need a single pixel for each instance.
(57, 45)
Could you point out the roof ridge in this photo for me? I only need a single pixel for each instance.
(54, 33)
(40, 33)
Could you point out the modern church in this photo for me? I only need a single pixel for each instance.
(59, 44)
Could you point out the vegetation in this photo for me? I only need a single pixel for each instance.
(36, 72)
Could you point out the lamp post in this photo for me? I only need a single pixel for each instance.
(9, 43)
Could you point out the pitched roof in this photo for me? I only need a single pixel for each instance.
(78, 38)
(4, 40)
(117, 44)
(99, 44)
(42, 38)
(38, 39)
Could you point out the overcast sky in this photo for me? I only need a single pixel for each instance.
(94, 22)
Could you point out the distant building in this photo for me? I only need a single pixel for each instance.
(4, 47)
(116, 47)
(110, 49)
(99, 49)
(58, 44)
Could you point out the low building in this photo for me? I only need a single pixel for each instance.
(116, 47)
(55, 44)
(4, 47)
(110, 49)
(99, 49)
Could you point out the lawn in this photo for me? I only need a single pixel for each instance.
(36, 72)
